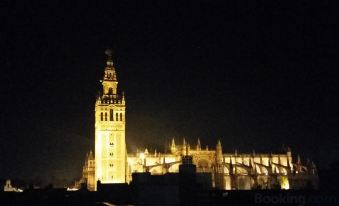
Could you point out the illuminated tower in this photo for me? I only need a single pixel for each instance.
(110, 144)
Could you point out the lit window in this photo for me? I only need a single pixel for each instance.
(111, 115)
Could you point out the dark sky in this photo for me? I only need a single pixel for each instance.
(255, 75)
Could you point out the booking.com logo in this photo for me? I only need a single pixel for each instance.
(300, 200)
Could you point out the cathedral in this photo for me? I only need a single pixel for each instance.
(111, 163)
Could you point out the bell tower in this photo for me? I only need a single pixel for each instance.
(110, 121)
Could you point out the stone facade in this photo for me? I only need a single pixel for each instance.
(230, 170)
(110, 145)
(88, 171)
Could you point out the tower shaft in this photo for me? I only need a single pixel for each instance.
(110, 121)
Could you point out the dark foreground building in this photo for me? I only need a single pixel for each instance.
(184, 188)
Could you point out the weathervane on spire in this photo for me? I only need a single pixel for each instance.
(108, 52)
(109, 62)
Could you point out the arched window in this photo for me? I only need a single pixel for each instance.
(105, 116)
(120, 116)
(116, 117)
(102, 116)
(111, 115)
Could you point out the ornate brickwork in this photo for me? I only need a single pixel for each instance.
(110, 144)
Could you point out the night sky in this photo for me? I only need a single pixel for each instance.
(255, 75)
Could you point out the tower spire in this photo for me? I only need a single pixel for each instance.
(219, 143)
(109, 82)
(123, 101)
(218, 152)
(173, 146)
(198, 144)
(109, 62)
(184, 145)
(184, 141)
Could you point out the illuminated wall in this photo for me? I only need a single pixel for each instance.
(230, 170)
(88, 172)
(110, 144)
